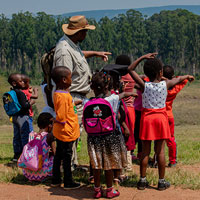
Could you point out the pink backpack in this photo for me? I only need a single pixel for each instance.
(31, 157)
(98, 117)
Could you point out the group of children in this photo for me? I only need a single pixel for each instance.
(153, 121)
(22, 120)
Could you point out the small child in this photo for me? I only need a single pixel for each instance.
(31, 93)
(154, 120)
(20, 120)
(138, 110)
(65, 129)
(128, 83)
(47, 96)
(168, 72)
(108, 151)
(45, 124)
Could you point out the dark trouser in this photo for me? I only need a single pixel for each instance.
(63, 153)
(21, 132)
(137, 130)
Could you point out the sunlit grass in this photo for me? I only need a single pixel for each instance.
(187, 119)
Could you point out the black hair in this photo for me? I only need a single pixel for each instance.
(101, 81)
(25, 78)
(44, 119)
(12, 77)
(58, 73)
(123, 60)
(152, 68)
(168, 71)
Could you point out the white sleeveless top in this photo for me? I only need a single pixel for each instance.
(154, 95)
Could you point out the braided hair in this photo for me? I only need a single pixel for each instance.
(101, 81)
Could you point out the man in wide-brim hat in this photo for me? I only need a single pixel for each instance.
(69, 54)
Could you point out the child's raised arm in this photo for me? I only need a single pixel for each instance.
(132, 67)
(175, 81)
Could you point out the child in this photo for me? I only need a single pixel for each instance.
(45, 124)
(154, 120)
(65, 129)
(20, 120)
(31, 93)
(138, 108)
(47, 96)
(168, 72)
(106, 152)
(128, 87)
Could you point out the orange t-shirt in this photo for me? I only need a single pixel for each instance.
(66, 127)
(172, 95)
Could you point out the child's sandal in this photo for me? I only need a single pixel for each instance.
(111, 193)
(91, 179)
(123, 178)
(98, 192)
(116, 181)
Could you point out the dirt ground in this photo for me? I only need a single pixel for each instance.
(27, 192)
(12, 191)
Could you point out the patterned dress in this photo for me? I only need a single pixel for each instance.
(154, 121)
(47, 165)
(108, 151)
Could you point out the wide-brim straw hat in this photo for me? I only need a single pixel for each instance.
(76, 23)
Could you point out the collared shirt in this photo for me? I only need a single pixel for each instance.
(70, 55)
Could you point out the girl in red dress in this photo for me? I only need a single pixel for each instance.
(154, 121)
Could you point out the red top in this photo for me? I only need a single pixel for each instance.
(172, 95)
(28, 96)
(129, 87)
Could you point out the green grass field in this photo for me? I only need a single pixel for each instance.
(187, 121)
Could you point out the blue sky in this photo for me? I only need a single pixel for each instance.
(9, 7)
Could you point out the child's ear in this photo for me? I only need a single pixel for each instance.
(64, 79)
(14, 83)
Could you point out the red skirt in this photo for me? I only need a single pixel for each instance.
(154, 124)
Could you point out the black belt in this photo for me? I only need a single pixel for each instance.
(78, 93)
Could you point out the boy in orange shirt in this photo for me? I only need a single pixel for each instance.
(168, 72)
(66, 127)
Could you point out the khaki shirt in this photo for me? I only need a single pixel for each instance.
(70, 55)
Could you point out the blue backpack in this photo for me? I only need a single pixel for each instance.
(11, 103)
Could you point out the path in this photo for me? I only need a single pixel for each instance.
(27, 192)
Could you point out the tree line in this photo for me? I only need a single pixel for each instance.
(175, 35)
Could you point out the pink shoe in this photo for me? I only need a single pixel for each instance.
(98, 193)
(111, 193)
(134, 158)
